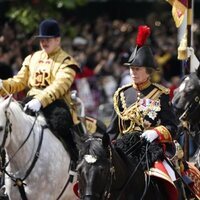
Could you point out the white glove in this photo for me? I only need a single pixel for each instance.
(150, 135)
(33, 105)
(193, 59)
(1, 83)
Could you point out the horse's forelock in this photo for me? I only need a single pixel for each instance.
(94, 147)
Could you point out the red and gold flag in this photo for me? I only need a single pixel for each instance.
(179, 8)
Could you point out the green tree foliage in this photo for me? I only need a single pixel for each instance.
(29, 13)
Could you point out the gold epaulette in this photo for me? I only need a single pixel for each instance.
(162, 88)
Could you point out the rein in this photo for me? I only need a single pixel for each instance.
(130, 150)
(134, 171)
(192, 107)
(106, 194)
(8, 129)
(8, 124)
(19, 182)
(69, 180)
(112, 172)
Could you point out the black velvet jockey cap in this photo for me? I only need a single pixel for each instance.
(142, 56)
(48, 28)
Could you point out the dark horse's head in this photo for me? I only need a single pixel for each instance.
(94, 167)
(186, 100)
(108, 171)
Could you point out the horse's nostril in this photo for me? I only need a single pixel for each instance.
(1, 128)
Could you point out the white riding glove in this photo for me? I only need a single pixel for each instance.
(1, 83)
(193, 59)
(34, 105)
(150, 135)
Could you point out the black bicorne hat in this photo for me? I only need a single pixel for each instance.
(142, 56)
(48, 28)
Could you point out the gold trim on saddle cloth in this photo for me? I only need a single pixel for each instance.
(168, 184)
(131, 118)
(160, 174)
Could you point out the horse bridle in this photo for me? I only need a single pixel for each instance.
(194, 105)
(184, 118)
(8, 129)
(106, 194)
(19, 182)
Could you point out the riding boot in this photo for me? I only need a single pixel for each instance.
(60, 121)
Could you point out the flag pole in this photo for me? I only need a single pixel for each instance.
(189, 29)
(188, 67)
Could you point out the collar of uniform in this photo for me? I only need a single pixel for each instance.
(142, 86)
(54, 52)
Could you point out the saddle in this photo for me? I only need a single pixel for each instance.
(189, 173)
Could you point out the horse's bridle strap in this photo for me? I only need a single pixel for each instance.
(7, 130)
(37, 153)
(18, 181)
(6, 164)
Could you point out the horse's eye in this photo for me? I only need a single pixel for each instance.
(1, 128)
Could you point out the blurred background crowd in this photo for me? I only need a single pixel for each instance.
(101, 43)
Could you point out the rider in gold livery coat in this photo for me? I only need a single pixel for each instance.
(49, 77)
(49, 74)
(145, 107)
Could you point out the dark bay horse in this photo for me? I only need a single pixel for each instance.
(105, 172)
(186, 102)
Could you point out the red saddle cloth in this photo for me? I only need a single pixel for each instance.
(158, 171)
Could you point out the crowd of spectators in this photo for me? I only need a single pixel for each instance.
(99, 46)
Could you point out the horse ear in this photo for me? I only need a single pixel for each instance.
(8, 101)
(106, 140)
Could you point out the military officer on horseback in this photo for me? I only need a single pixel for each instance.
(145, 107)
(49, 74)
